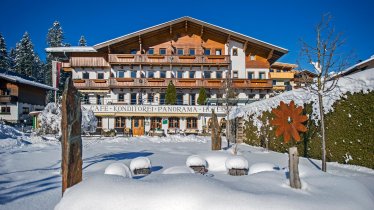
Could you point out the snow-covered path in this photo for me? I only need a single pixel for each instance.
(29, 175)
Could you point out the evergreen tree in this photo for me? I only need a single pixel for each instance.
(202, 96)
(12, 58)
(4, 59)
(82, 41)
(171, 94)
(39, 70)
(55, 36)
(25, 56)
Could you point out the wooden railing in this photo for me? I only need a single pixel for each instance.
(163, 83)
(8, 99)
(88, 62)
(281, 75)
(169, 59)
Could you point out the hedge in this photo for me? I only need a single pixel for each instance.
(349, 132)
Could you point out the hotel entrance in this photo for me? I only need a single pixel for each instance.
(137, 126)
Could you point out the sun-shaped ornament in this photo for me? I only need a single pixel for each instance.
(288, 120)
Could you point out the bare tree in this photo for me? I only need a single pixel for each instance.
(325, 57)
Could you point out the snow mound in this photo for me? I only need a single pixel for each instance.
(50, 119)
(216, 160)
(140, 162)
(236, 162)
(189, 191)
(195, 160)
(260, 167)
(7, 131)
(178, 170)
(119, 169)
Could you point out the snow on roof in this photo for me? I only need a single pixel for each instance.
(17, 78)
(70, 49)
(357, 65)
(187, 18)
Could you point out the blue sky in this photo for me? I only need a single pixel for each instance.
(282, 23)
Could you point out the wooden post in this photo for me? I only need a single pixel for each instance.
(71, 143)
(294, 168)
(216, 133)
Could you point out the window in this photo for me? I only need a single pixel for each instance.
(86, 99)
(133, 51)
(99, 99)
(5, 110)
(151, 51)
(262, 75)
(150, 97)
(234, 52)
(253, 57)
(120, 122)
(271, 70)
(25, 110)
(235, 74)
(207, 74)
(278, 70)
(180, 51)
(191, 122)
(162, 51)
(192, 99)
(133, 74)
(86, 75)
(250, 75)
(191, 51)
(100, 75)
(179, 99)
(156, 123)
(162, 98)
(218, 74)
(207, 51)
(173, 122)
(180, 74)
(162, 74)
(218, 51)
(192, 74)
(142, 75)
(121, 74)
(99, 122)
(287, 83)
(133, 98)
(121, 97)
(151, 74)
(274, 82)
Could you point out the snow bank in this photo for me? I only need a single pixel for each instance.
(195, 160)
(190, 191)
(7, 131)
(139, 163)
(178, 170)
(260, 167)
(361, 81)
(216, 160)
(119, 169)
(236, 162)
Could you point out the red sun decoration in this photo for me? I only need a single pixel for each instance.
(288, 120)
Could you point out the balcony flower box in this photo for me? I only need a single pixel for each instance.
(216, 57)
(187, 57)
(155, 80)
(79, 81)
(125, 56)
(124, 79)
(156, 56)
(99, 80)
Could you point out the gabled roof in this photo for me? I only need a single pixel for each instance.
(70, 49)
(196, 21)
(18, 78)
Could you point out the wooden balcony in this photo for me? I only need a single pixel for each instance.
(281, 75)
(8, 99)
(87, 62)
(169, 59)
(94, 84)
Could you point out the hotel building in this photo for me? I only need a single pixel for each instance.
(124, 80)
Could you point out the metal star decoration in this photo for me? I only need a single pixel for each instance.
(288, 120)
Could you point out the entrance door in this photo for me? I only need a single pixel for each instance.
(138, 126)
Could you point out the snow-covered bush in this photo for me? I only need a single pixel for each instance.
(118, 169)
(195, 160)
(236, 162)
(89, 121)
(260, 167)
(50, 120)
(178, 170)
(140, 163)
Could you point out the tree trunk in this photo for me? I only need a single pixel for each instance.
(294, 168)
(71, 143)
(323, 141)
(216, 133)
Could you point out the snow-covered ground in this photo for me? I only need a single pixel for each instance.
(30, 178)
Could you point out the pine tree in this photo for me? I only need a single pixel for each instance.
(39, 70)
(25, 56)
(202, 96)
(171, 94)
(82, 41)
(55, 36)
(4, 59)
(12, 58)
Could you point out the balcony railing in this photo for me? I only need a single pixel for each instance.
(163, 83)
(281, 75)
(169, 59)
(8, 99)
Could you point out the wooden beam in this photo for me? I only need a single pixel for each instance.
(185, 27)
(171, 29)
(270, 54)
(245, 46)
(228, 38)
(140, 44)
